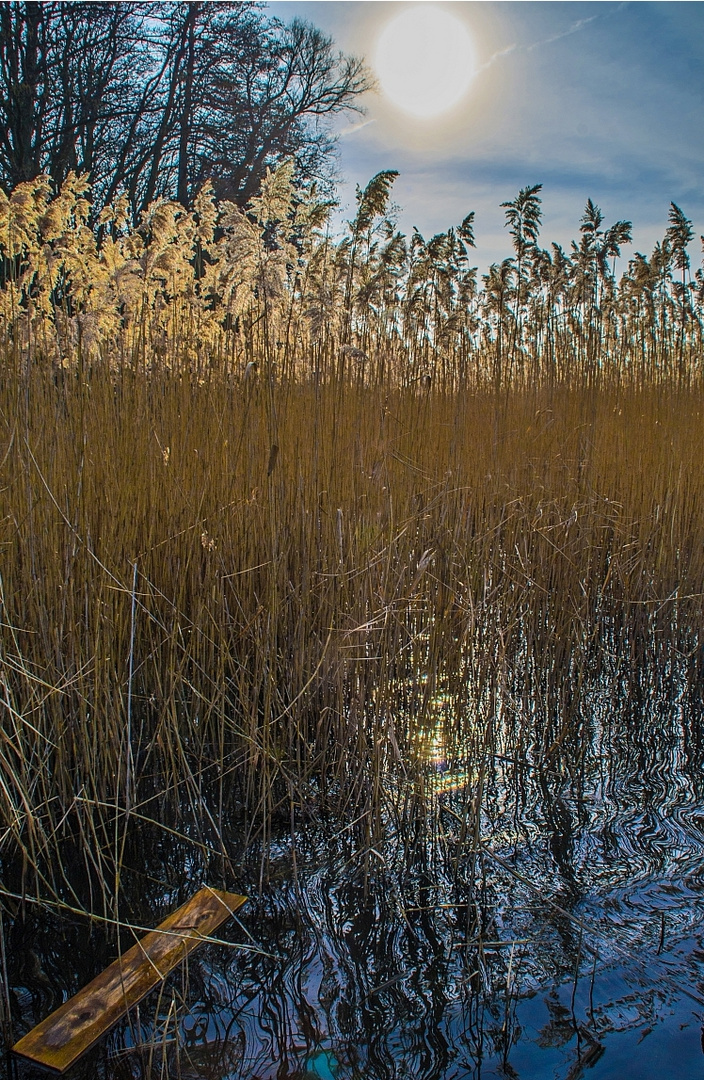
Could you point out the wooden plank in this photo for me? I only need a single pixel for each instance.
(57, 1042)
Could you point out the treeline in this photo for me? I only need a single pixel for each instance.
(153, 99)
(267, 288)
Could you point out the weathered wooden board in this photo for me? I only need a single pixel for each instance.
(76, 1025)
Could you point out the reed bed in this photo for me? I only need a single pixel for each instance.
(218, 287)
(266, 602)
(311, 538)
(289, 524)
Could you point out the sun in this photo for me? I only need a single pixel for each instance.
(425, 60)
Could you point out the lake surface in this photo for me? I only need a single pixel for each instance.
(563, 938)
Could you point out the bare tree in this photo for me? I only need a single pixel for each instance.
(69, 83)
(268, 91)
(157, 99)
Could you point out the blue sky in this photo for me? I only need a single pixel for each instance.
(602, 100)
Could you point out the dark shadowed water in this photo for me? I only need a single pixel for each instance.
(567, 939)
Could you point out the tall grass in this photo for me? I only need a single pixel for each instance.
(217, 287)
(241, 599)
(287, 522)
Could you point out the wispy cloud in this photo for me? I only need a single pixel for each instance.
(573, 29)
(497, 56)
(355, 127)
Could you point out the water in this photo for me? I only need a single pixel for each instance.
(569, 942)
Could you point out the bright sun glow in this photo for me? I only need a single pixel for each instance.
(425, 60)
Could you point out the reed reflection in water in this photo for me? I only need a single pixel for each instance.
(522, 914)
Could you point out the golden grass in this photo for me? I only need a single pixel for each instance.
(257, 599)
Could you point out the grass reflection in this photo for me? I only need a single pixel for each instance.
(529, 938)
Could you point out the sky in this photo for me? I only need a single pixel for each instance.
(592, 100)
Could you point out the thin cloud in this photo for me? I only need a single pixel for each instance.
(565, 33)
(355, 127)
(575, 27)
(497, 56)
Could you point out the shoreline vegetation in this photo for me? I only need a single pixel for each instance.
(220, 291)
(279, 514)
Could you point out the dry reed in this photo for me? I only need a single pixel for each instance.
(266, 602)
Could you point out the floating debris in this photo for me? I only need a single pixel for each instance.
(64, 1036)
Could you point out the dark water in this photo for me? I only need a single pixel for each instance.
(568, 941)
